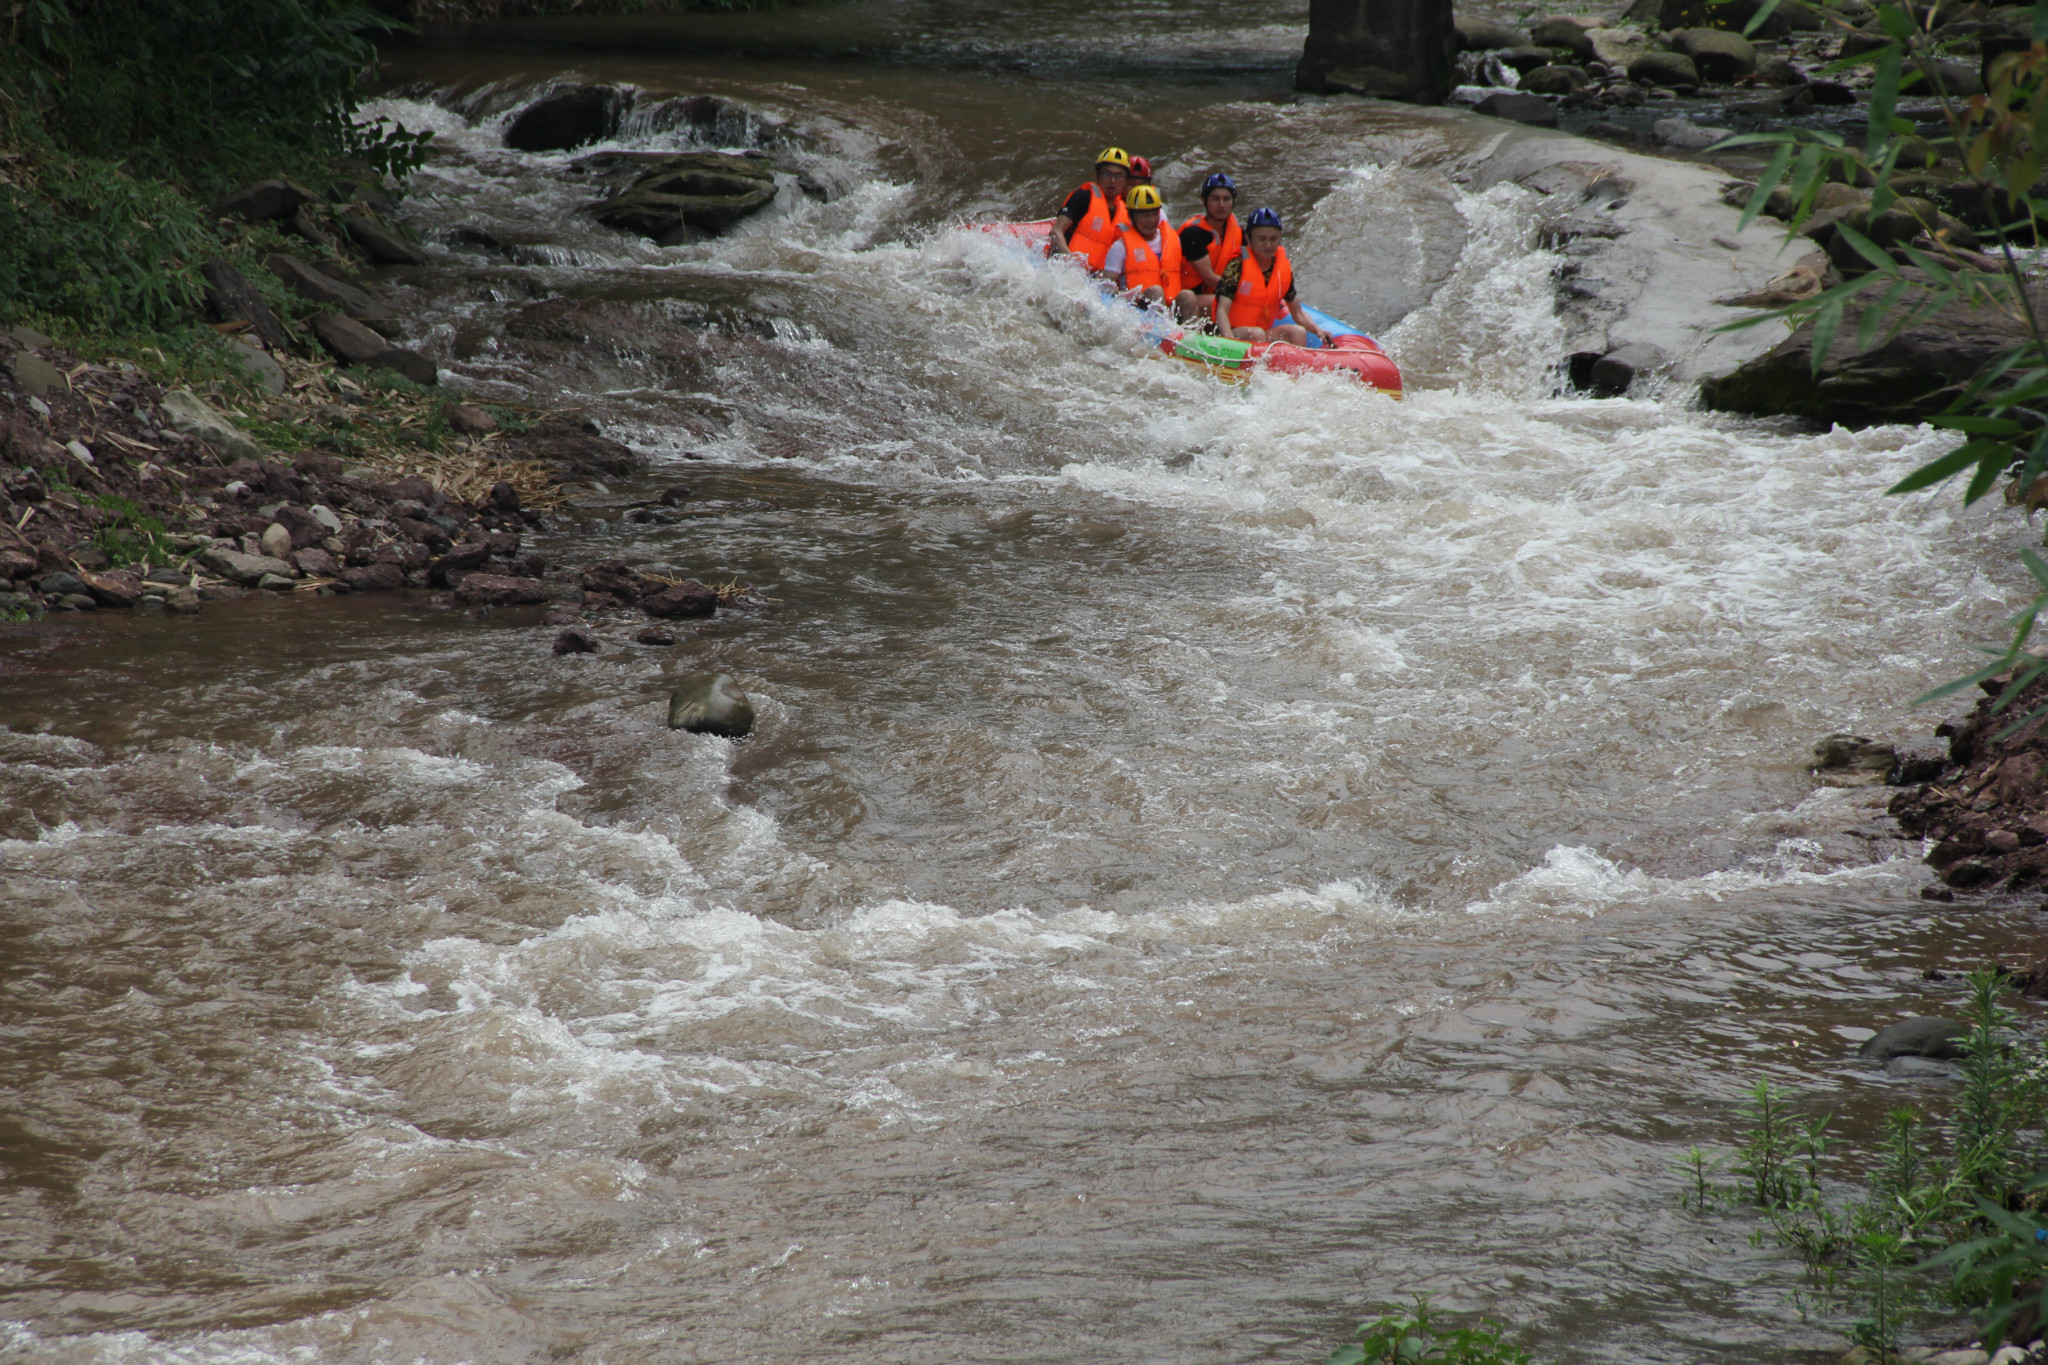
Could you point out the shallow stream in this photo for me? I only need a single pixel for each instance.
(1215, 858)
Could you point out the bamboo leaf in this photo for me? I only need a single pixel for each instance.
(1825, 323)
(1946, 466)
(1768, 181)
(1884, 85)
(1994, 463)
(1868, 250)
(1894, 22)
(1983, 426)
(1763, 12)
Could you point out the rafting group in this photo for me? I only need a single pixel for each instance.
(1227, 277)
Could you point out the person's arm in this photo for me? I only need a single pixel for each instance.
(1065, 221)
(1113, 264)
(1298, 310)
(1196, 254)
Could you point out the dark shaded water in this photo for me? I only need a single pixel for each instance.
(1214, 858)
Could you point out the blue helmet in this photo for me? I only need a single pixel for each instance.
(1262, 218)
(1218, 181)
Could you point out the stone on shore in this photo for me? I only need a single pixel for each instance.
(1718, 56)
(1483, 35)
(1924, 1036)
(113, 589)
(183, 601)
(711, 704)
(1790, 16)
(1778, 71)
(187, 413)
(264, 200)
(276, 541)
(374, 578)
(1555, 80)
(568, 119)
(1844, 752)
(354, 344)
(37, 377)
(244, 569)
(231, 298)
(1533, 110)
(1619, 46)
(1687, 136)
(322, 288)
(1664, 68)
(467, 419)
(1565, 31)
(378, 240)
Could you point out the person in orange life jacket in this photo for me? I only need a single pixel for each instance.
(1094, 214)
(1209, 240)
(1257, 289)
(1145, 259)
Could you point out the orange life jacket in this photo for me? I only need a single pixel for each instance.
(1145, 268)
(1220, 250)
(1092, 236)
(1260, 300)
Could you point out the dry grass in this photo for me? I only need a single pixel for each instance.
(731, 593)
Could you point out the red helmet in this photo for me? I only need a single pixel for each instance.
(1141, 169)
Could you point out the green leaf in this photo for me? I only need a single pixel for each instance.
(1894, 21)
(1870, 251)
(1763, 12)
(1884, 89)
(1948, 466)
(1994, 462)
(1774, 171)
(1985, 426)
(1825, 323)
(2041, 21)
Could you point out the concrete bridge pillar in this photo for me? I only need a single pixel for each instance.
(1395, 49)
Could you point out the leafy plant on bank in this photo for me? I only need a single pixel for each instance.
(2001, 140)
(1414, 1338)
(1936, 1195)
(121, 122)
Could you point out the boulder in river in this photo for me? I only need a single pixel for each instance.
(1530, 109)
(381, 577)
(1687, 136)
(497, 590)
(1483, 35)
(1719, 56)
(1555, 80)
(1925, 1036)
(1790, 16)
(1664, 68)
(687, 196)
(1566, 31)
(1619, 46)
(710, 704)
(681, 601)
(568, 119)
(1904, 378)
(575, 640)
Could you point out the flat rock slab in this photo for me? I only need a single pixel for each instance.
(187, 413)
(248, 570)
(320, 287)
(498, 590)
(378, 240)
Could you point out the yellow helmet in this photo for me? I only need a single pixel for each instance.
(1114, 156)
(1143, 197)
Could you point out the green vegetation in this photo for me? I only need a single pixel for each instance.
(2001, 140)
(121, 123)
(1397, 1338)
(1928, 1222)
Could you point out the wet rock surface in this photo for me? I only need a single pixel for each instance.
(1986, 811)
(681, 197)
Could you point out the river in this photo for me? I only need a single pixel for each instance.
(1215, 859)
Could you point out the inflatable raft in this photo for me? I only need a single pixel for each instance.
(1350, 350)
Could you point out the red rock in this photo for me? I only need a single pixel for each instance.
(466, 558)
(113, 589)
(655, 635)
(561, 616)
(613, 577)
(16, 564)
(504, 543)
(375, 578)
(686, 599)
(504, 497)
(496, 590)
(575, 642)
(315, 563)
(601, 601)
(533, 566)
(670, 497)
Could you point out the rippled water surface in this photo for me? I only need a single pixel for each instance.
(1214, 858)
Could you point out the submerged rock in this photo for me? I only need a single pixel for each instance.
(568, 119)
(711, 704)
(1925, 1036)
(1530, 109)
(681, 198)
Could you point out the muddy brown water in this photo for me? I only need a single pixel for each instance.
(1214, 859)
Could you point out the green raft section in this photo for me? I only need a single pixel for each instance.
(1210, 350)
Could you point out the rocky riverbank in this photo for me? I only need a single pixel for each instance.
(117, 493)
